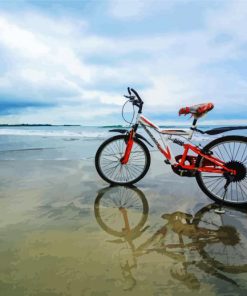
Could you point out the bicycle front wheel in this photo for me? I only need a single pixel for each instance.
(108, 161)
(232, 150)
(110, 204)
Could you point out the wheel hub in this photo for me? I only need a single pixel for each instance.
(239, 167)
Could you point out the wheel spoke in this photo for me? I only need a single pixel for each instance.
(110, 217)
(233, 151)
(242, 192)
(226, 151)
(212, 181)
(217, 183)
(235, 157)
(236, 190)
(230, 151)
(243, 155)
(221, 154)
(111, 166)
(215, 153)
(213, 176)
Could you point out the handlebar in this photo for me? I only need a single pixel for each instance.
(136, 94)
(135, 99)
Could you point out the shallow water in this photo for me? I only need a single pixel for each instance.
(57, 142)
(63, 232)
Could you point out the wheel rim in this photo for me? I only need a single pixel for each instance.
(234, 154)
(111, 166)
(109, 206)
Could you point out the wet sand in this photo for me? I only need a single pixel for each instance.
(52, 242)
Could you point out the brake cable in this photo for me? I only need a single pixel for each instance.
(130, 122)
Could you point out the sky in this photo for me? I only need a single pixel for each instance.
(71, 61)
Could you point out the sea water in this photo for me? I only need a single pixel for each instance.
(49, 142)
(64, 142)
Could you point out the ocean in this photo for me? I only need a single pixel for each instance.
(49, 142)
(64, 142)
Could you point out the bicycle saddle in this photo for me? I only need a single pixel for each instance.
(196, 110)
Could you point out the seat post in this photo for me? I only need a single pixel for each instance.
(193, 128)
(194, 122)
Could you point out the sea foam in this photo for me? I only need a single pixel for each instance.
(61, 133)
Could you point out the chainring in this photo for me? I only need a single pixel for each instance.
(191, 160)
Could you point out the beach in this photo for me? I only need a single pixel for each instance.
(60, 234)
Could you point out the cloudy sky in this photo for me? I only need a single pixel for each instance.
(71, 61)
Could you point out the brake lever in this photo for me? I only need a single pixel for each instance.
(131, 98)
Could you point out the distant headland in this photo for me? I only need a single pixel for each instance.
(39, 124)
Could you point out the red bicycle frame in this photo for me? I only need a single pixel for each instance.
(128, 148)
(213, 164)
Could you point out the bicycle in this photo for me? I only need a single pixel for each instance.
(218, 240)
(125, 159)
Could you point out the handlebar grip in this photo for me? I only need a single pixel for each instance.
(136, 94)
(129, 91)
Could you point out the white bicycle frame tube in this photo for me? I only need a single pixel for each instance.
(142, 120)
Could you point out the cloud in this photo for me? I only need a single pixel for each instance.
(231, 21)
(79, 114)
(44, 68)
(22, 41)
(61, 60)
(7, 108)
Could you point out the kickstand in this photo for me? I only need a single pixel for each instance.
(229, 178)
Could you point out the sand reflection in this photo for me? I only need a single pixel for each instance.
(203, 243)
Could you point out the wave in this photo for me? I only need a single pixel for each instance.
(113, 126)
(69, 135)
(42, 133)
(27, 149)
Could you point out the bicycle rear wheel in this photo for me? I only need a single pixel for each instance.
(232, 150)
(108, 161)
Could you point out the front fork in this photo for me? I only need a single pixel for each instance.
(128, 148)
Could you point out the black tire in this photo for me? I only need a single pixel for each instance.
(233, 151)
(228, 253)
(107, 212)
(120, 142)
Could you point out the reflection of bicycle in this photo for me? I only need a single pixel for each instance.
(219, 240)
(116, 203)
(219, 167)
